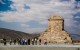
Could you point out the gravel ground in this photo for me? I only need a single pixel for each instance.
(39, 47)
(49, 45)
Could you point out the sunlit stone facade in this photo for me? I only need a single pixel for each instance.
(55, 32)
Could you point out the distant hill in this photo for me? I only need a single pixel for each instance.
(75, 36)
(7, 33)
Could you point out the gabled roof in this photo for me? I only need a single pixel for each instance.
(55, 17)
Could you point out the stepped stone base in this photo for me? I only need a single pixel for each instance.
(58, 38)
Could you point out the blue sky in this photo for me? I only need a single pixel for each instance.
(31, 15)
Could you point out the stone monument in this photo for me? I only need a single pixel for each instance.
(55, 33)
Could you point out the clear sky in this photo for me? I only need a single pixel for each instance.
(31, 15)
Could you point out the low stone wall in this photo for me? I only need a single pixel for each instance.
(37, 48)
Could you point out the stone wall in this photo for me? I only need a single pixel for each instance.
(38, 48)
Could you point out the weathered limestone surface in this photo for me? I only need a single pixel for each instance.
(55, 32)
